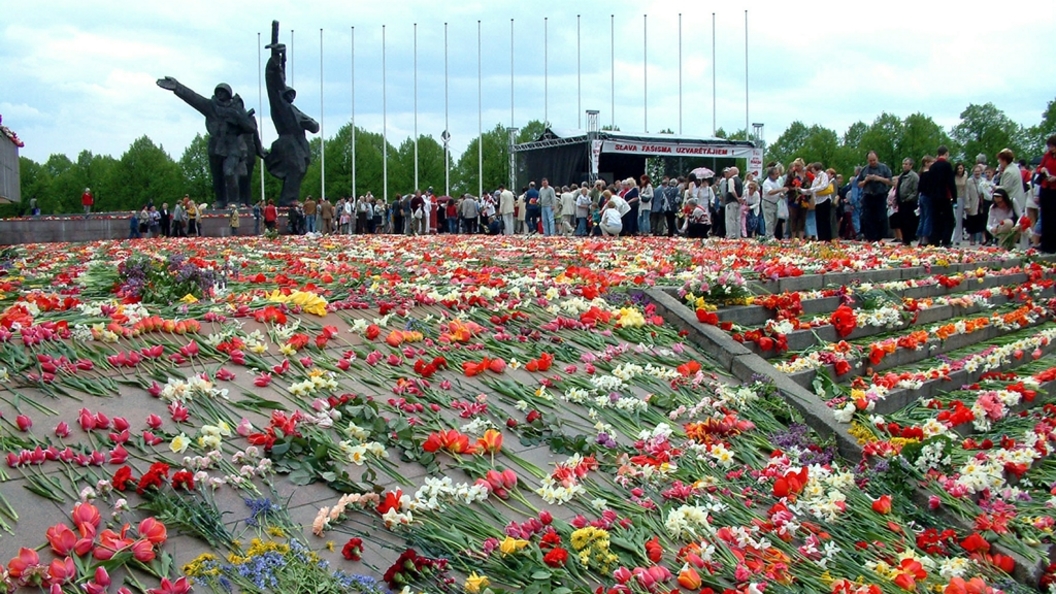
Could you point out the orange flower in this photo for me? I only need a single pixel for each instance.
(882, 505)
(688, 578)
(491, 443)
(907, 574)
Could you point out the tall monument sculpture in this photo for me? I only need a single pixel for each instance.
(289, 156)
(234, 142)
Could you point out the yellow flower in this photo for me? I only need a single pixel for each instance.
(188, 298)
(179, 444)
(475, 582)
(512, 545)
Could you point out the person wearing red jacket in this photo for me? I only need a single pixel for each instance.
(87, 200)
(271, 215)
(1047, 196)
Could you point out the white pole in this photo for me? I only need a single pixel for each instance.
(680, 73)
(322, 122)
(714, 109)
(480, 109)
(511, 69)
(290, 59)
(746, 136)
(612, 67)
(546, 71)
(447, 130)
(260, 110)
(645, 73)
(354, 194)
(384, 122)
(416, 106)
(579, 78)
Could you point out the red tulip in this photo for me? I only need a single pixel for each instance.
(26, 560)
(152, 530)
(61, 539)
(24, 423)
(882, 505)
(61, 571)
(143, 551)
(62, 430)
(86, 514)
(491, 443)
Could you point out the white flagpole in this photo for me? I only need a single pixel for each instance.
(579, 78)
(714, 109)
(680, 73)
(447, 128)
(384, 123)
(480, 110)
(511, 70)
(416, 106)
(290, 60)
(645, 73)
(546, 71)
(612, 67)
(260, 110)
(746, 135)
(354, 194)
(322, 122)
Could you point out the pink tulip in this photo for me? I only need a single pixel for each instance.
(121, 424)
(24, 423)
(119, 454)
(61, 539)
(153, 421)
(62, 430)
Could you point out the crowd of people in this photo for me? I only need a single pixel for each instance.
(936, 203)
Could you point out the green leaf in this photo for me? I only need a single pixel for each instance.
(301, 477)
(541, 575)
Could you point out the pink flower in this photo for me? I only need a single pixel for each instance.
(120, 424)
(244, 427)
(118, 455)
(62, 430)
(179, 412)
(24, 423)
(180, 586)
(153, 421)
(262, 380)
(225, 375)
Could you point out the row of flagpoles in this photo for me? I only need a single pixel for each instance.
(546, 90)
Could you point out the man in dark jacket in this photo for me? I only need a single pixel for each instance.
(942, 189)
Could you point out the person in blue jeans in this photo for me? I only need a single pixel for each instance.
(547, 203)
(133, 226)
(532, 209)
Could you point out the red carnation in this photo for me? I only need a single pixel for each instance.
(353, 549)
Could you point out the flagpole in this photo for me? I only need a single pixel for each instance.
(714, 111)
(546, 71)
(260, 111)
(447, 127)
(511, 69)
(746, 136)
(290, 60)
(416, 106)
(612, 67)
(354, 194)
(384, 122)
(680, 79)
(645, 73)
(579, 77)
(322, 122)
(480, 109)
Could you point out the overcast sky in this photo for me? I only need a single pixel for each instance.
(81, 75)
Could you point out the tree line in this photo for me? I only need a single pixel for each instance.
(147, 173)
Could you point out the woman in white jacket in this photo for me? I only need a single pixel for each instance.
(823, 193)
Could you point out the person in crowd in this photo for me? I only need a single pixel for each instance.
(133, 225)
(567, 210)
(235, 220)
(271, 215)
(1001, 221)
(507, 206)
(645, 204)
(534, 210)
(583, 204)
(87, 201)
(941, 188)
(925, 206)
(697, 221)
(772, 193)
(1010, 179)
(342, 216)
(326, 215)
(309, 214)
(417, 213)
(632, 197)
(874, 179)
(547, 205)
(519, 213)
(192, 219)
(470, 213)
(258, 215)
(855, 195)
(733, 197)
(153, 221)
(750, 211)
(657, 222)
(975, 216)
(821, 189)
(1046, 175)
(144, 221)
(960, 177)
(377, 222)
(611, 222)
(165, 219)
(797, 209)
(672, 205)
(907, 186)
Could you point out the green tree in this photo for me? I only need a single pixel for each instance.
(921, 136)
(882, 137)
(496, 165)
(986, 130)
(145, 173)
(194, 167)
(1037, 135)
(790, 144)
(531, 131)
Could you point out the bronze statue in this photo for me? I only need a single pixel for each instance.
(289, 156)
(234, 142)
